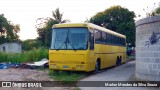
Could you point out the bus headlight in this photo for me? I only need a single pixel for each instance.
(58, 67)
(79, 66)
(54, 66)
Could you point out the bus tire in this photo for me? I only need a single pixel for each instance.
(97, 66)
(118, 62)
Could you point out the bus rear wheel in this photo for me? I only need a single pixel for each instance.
(118, 62)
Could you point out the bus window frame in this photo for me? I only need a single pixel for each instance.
(70, 49)
(111, 39)
(91, 41)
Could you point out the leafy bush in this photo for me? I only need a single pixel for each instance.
(31, 44)
(32, 55)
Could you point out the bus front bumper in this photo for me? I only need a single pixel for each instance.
(69, 67)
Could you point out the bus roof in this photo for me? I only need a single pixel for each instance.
(88, 25)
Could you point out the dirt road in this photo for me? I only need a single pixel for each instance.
(28, 75)
(23, 75)
(124, 72)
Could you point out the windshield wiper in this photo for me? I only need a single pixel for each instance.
(65, 42)
(69, 41)
(71, 45)
(61, 45)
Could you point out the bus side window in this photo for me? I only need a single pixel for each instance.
(91, 40)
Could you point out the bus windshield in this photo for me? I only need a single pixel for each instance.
(74, 38)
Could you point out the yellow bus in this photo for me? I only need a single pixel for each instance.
(85, 47)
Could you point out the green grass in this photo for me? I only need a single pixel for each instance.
(32, 55)
(66, 77)
(76, 88)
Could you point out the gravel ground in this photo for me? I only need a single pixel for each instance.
(28, 75)
(23, 75)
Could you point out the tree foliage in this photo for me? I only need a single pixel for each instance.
(44, 27)
(31, 44)
(58, 16)
(46, 31)
(118, 19)
(8, 30)
(153, 12)
(157, 10)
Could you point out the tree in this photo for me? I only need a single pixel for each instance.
(153, 12)
(44, 26)
(58, 16)
(44, 29)
(157, 10)
(118, 19)
(8, 30)
(31, 44)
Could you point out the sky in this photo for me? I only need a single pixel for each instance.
(26, 12)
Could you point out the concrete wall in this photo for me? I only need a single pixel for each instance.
(147, 52)
(11, 47)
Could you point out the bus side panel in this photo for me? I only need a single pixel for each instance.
(124, 54)
(119, 51)
(91, 59)
(101, 52)
(108, 54)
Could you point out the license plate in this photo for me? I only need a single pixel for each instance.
(65, 66)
